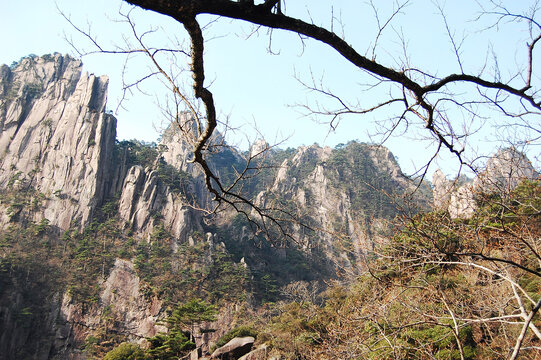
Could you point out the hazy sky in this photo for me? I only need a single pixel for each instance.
(255, 89)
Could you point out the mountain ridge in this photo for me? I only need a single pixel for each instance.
(110, 231)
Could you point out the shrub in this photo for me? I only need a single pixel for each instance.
(126, 351)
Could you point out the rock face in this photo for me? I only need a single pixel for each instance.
(442, 189)
(62, 325)
(58, 140)
(55, 136)
(456, 196)
(121, 301)
(258, 354)
(503, 172)
(143, 196)
(178, 153)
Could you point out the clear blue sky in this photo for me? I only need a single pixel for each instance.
(256, 89)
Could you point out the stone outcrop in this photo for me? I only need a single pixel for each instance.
(442, 189)
(58, 140)
(178, 153)
(456, 196)
(258, 148)
(505, 170)
(56, 136)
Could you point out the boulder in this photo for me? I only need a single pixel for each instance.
(195, 354)
(260, 353)
(234, 349)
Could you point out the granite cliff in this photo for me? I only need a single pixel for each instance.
(352, 192)
(56, 137)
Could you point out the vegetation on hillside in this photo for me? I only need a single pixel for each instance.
(439, 288)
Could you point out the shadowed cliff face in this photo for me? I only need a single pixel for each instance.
(56, 138)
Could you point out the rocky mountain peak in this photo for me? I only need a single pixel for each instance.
(258, 147)
(502, 173)
(505, 169)
(56, 140)
(340, 190)
(38, 72)
(177, 151)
